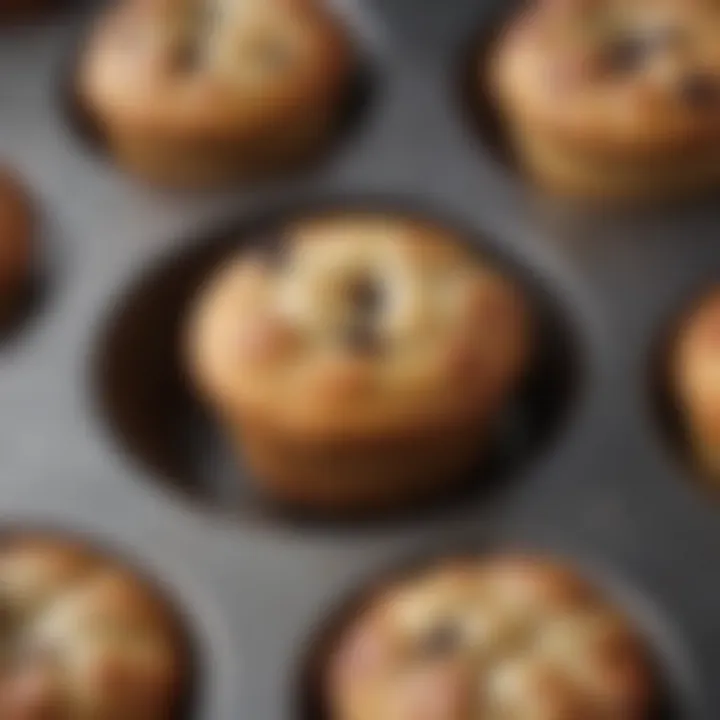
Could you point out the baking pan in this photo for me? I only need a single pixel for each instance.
(99, 436)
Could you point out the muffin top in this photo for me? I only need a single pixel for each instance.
(359, 323)
(506, 638)
(697, 355)
(213, 66)
(15, 236)
(625, 76)
(81, 638)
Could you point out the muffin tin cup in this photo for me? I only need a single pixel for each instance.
(607, 490)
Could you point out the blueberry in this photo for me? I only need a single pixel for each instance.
(186, 57)
(625, 54)
(628, 52)
(443, 639)
(700, 90)
(365, 296)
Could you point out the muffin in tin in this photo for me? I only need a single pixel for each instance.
(82, 637)
(359, 360)
(696, 381)
(16, 243)
(199, 92)
(507, 637)
(609, 98)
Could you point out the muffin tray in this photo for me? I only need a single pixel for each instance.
(99, 438)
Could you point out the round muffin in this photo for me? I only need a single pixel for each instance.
(610, 98)
(696, 381)
(196, 92)
(359, 360)
(82, 638)
(15, 243)
(503, 639)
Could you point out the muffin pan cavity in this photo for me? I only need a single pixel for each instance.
(63, 598)
(355, 101)
(668, 668)
(476, 104)
(604, 104)
(146, 399)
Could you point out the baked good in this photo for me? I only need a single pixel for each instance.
(502, 639)
(696, 380)
(15, 243)
(82, 638)
(609, 98)
(195, 92)
(358, 360)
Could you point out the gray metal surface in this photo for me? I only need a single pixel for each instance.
(609, 490)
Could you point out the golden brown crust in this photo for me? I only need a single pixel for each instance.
(15, 242)
(373, 353)
(82, 638)
(487, 640)
(696, 380)
(195, 91)
(609, 97)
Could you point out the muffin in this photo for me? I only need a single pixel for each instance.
(193, 92)
(358, 360)
(696, 381)
(511, 638)
(15, 244)
(82, 638)
(609, 98)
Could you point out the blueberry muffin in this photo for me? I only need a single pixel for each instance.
(503, 639)
(82, 638)
(610, 98)
(196, 92)
(360, 360)
(696, 381)
(15, 244)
